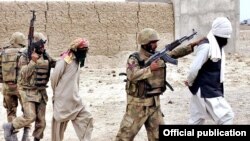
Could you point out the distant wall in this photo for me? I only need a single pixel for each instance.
(199, 14)
(110, 27)
(168, 1)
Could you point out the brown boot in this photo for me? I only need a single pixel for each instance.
(8, 132)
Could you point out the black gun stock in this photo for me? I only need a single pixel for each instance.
(31, 34)
(162, 54)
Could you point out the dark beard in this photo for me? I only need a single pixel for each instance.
(80, 56)
(221, 41)
(148, 48)
(38, 46)
(81, 61)
(39, 52)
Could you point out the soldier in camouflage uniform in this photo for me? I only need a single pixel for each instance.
(9, 70)
(32, 83)
(144, 86)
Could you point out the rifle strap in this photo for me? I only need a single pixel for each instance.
(170, 87)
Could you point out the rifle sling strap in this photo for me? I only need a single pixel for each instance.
(170, 87)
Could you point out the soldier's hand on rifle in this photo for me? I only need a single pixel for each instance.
(34, 56)
(154, 66)
(195, 43)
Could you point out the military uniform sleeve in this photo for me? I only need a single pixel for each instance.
(52, 61)
(57, 73)
(22, 61)
(27, 70)
(180, 51)
(134, 72)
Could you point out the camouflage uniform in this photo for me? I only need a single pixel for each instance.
(141, 109)
(34, 97)
(9, 74)
(32, 88)
(9, 70)
(10, 91)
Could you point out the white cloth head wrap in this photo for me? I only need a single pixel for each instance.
(221, 27)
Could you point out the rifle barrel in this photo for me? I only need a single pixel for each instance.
(169, 47)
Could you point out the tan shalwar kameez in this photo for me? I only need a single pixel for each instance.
(67, 103)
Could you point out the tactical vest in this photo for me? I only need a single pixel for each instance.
(41, 76)
(9, 59)
(152, 86)
(42, 73)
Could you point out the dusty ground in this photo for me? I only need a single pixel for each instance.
(244, 27)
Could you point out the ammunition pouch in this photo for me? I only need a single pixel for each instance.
(42, 73)
(137, 89)
(142, 89)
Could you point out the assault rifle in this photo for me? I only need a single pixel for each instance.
(31, 34)
(162, 54)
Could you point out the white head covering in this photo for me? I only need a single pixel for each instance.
(221, 27)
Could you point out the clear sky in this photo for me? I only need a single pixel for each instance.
(244, 9)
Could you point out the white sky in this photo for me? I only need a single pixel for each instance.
(244, 9)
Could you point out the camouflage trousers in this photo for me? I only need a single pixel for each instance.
(137, 116)
(10, 100)
(33, 111)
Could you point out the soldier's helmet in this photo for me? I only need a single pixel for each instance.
(79, 43)
(17, 39)
(147, 35)
(39, 36)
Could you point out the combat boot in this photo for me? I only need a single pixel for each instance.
(36, 139)
(14, 137)
(8, 131)
(26, 131)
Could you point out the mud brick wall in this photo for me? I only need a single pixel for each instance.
(111, 27)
